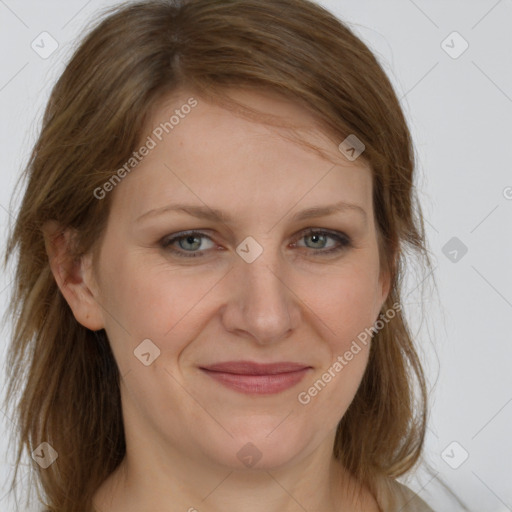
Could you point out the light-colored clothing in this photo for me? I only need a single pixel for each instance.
(393, 496)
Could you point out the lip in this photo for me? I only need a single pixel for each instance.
(257, 378)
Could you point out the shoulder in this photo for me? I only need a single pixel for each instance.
(394, 496)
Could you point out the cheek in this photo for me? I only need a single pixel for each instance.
(344, 307)
(344, 302)
(148, 298)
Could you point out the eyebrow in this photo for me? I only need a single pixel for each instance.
(214, 214)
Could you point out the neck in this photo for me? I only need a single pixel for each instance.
(316, 482)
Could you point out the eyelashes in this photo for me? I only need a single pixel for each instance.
(194, 238)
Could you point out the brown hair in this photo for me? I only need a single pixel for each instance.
(126, 65)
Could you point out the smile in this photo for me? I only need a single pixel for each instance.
(256, 378)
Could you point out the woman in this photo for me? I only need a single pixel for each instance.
(208, 279)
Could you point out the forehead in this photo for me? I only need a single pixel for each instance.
(211, 121)
(210, 154)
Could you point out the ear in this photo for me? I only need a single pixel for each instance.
(384, 285)
(73, 275)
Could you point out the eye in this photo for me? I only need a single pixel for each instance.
(190, 244)
(320, 238)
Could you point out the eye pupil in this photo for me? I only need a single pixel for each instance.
(190, 240)
(316, 238)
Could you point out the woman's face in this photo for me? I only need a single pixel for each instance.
(256, 286)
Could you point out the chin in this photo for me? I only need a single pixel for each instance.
(260, 448)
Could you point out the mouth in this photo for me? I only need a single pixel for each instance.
(257, 378)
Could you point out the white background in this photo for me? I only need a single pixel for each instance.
(460, 114)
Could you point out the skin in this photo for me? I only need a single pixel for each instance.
(183, 429)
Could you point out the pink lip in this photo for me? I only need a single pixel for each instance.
(257, 378)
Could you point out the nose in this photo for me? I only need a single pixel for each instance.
(261, 304)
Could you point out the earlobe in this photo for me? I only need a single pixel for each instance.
(388, 276)
(386, 286)
(72, 276)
